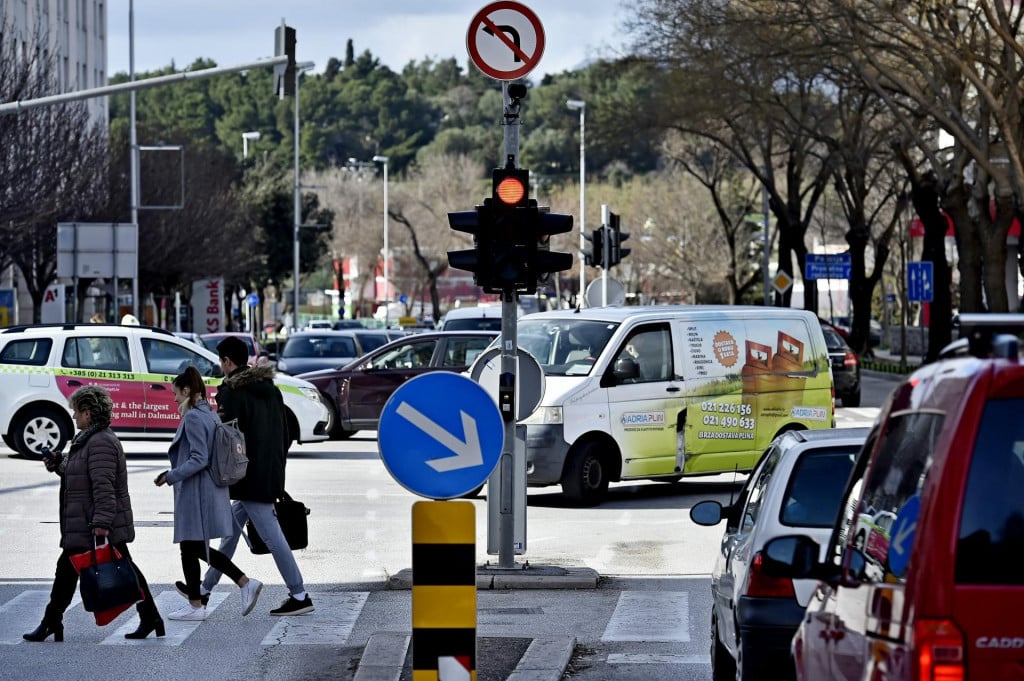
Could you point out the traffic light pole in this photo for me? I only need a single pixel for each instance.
(509, 357)
(606, 252)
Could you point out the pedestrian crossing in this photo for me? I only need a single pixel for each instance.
(331, 623)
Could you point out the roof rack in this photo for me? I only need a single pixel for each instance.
(986, 335)
(70, 326)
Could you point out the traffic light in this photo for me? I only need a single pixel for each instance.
(476, 260)
(615, 238)
(284, 44)
(543, 261)
(594, 256)
(512, 230)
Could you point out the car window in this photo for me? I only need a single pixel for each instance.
(107, 353)
(832, 339)
(764, 474)
(651, 348)
(460, 352)
(816, 487)
(473, 324)
(992, 521)
(565, 347)
(169, 358)
(897, 474)
(409, 356)
(28, 351)
(372, 341)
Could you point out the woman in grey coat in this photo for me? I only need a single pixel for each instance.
(202, 510)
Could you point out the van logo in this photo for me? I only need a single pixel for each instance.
(726, 350)
(643, 418)
(1006, 642)
(809, 413)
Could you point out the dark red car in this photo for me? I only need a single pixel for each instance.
(937, 593)
(356, 393)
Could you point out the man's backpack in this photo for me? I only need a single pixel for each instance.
(228, 461)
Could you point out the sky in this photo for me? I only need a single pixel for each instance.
(395, 31)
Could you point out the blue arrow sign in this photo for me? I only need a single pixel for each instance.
(901, 536)
(252, 300)
(828, 266)
(440, 435)
(920, 282)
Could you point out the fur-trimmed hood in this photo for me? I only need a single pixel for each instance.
(241, 379)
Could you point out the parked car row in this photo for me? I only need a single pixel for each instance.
(908, 568)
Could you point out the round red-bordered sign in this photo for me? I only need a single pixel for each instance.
(505, 40)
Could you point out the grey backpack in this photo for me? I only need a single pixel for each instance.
(228, 461)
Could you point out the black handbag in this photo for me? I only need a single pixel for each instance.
(108, 584)
(291, 516)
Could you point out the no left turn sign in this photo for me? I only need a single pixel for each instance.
(505, 40)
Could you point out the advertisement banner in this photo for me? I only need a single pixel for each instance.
(208, 305)
(52, 311)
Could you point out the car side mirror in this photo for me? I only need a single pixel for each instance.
(626, 368)
(707, 513)
(793, 556)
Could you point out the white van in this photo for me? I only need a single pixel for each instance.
(665, 391)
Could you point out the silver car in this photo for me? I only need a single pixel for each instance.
(796, 488)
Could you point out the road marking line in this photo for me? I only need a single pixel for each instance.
(177, 630)
(24, 610)
(650, 616)
(642, 658)
(331, 623)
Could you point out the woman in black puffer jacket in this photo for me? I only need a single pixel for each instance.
(94, 503)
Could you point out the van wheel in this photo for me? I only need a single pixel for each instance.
(585, 480)
(723, 667)
(38, 428)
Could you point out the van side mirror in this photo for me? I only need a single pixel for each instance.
(793, 556)
(626, 368)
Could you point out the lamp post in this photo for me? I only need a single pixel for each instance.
(297, 210)
(246, 136)
(581, 106)
(387, 252)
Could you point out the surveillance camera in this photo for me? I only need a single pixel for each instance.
(517, 91)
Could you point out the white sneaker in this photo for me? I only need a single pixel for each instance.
(188, 613)
(250, 593)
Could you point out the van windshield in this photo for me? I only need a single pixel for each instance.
(565, 347)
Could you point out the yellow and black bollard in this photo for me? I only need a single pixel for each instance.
(443, 591)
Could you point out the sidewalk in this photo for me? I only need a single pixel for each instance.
(886, 362)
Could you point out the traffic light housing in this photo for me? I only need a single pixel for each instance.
(594, 256)
(284, 44)
(543, 261)
(478, 223)
(615, 238)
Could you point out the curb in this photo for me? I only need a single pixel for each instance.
(545, 660)
(383, 657)
(531, 577)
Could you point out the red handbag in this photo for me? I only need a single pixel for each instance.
(103, 554)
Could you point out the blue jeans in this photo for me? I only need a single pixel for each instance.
(262, 516)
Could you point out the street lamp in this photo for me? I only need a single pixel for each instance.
(387, 252)
(581, 106)
(246, 136)
(297, 199)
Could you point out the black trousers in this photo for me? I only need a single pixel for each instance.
(192, 551)
(65, 581)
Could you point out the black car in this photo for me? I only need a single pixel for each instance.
(356, 393)
(845, 367)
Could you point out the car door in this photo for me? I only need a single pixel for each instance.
(163, 359)
(104, 360)
(643, 408)
(373, 382)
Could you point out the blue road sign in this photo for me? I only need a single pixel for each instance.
(901, 536)
(252, 300)
(920, 282)
(828, 266)
(440, 435)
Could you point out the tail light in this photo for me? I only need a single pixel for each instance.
(939, 650)
(760, 584)
(850, 360)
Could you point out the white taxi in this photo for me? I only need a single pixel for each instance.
(41, 365)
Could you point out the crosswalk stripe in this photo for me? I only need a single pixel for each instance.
(177, 631)
(331, 623)
(26, 607)
(650, 616)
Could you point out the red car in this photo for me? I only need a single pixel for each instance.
(357, 392)
(940, 598)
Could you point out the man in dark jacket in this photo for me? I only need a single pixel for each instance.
(249, 395)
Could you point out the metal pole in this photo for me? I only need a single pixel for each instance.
(297, 211)
(606, 220)
(387, 254)
(133, 155)
(767, 241)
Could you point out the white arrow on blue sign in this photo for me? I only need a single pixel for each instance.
(901, 538)
(919, 282)
(440, 435)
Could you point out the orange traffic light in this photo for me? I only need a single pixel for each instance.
(510, 191)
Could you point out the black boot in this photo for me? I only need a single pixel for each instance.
(146, 627)
(43, 631)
